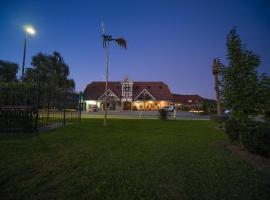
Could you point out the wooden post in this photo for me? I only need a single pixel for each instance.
(106, 84)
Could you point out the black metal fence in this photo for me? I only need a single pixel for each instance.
(31, 108)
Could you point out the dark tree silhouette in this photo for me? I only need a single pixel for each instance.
(8, 71)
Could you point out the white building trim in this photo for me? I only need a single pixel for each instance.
(145, 90)
(109, 91)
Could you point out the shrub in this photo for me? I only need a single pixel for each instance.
(267, 115)
(163, 114)
(222, 118)
(256, 138)
(232, 130)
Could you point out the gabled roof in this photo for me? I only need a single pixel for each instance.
(95, 89)
(110, 94)
(187, 98)
(158, 89)
(144, 95)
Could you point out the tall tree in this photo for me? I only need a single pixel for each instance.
(52, 73)
(216, 73)
(50, 70)
(8, 71)
(242, 90)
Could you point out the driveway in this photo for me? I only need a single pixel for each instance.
(124, 114)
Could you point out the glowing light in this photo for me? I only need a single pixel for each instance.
(91, 102)
(30, 30)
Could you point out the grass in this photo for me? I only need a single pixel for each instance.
(130, 159)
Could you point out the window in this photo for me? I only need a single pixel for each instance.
(127, 95)
(127, 88)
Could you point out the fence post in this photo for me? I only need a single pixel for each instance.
(37, 106)
(64, 119)
(80, 105)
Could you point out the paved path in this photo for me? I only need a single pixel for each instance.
(180, 115)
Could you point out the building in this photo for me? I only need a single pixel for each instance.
(188, 102)
(129, 95)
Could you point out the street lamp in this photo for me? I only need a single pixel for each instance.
(31, 31)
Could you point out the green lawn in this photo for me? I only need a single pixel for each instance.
(130, 159)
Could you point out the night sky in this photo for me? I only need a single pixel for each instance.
(170, 41)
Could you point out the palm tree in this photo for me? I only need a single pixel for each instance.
(216, 71)
(121, 42)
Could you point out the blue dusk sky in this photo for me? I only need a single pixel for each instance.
(170, 41)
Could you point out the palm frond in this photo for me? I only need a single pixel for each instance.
(121, 42)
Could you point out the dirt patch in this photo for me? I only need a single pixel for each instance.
(259, 162)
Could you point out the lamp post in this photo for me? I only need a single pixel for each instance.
(27, 30)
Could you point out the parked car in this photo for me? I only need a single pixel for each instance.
(93, 109)
(168, 108)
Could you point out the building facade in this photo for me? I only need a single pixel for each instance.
(188, 102)
(130, 95)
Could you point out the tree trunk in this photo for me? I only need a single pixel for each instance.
(216, 70)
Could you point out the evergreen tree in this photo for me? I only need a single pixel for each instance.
(244, 90)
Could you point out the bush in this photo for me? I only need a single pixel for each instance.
(163, 114)
(222, 118)
(232, 130)
(256, 138)
(267, 115)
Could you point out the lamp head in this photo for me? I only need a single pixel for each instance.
(30, 30)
